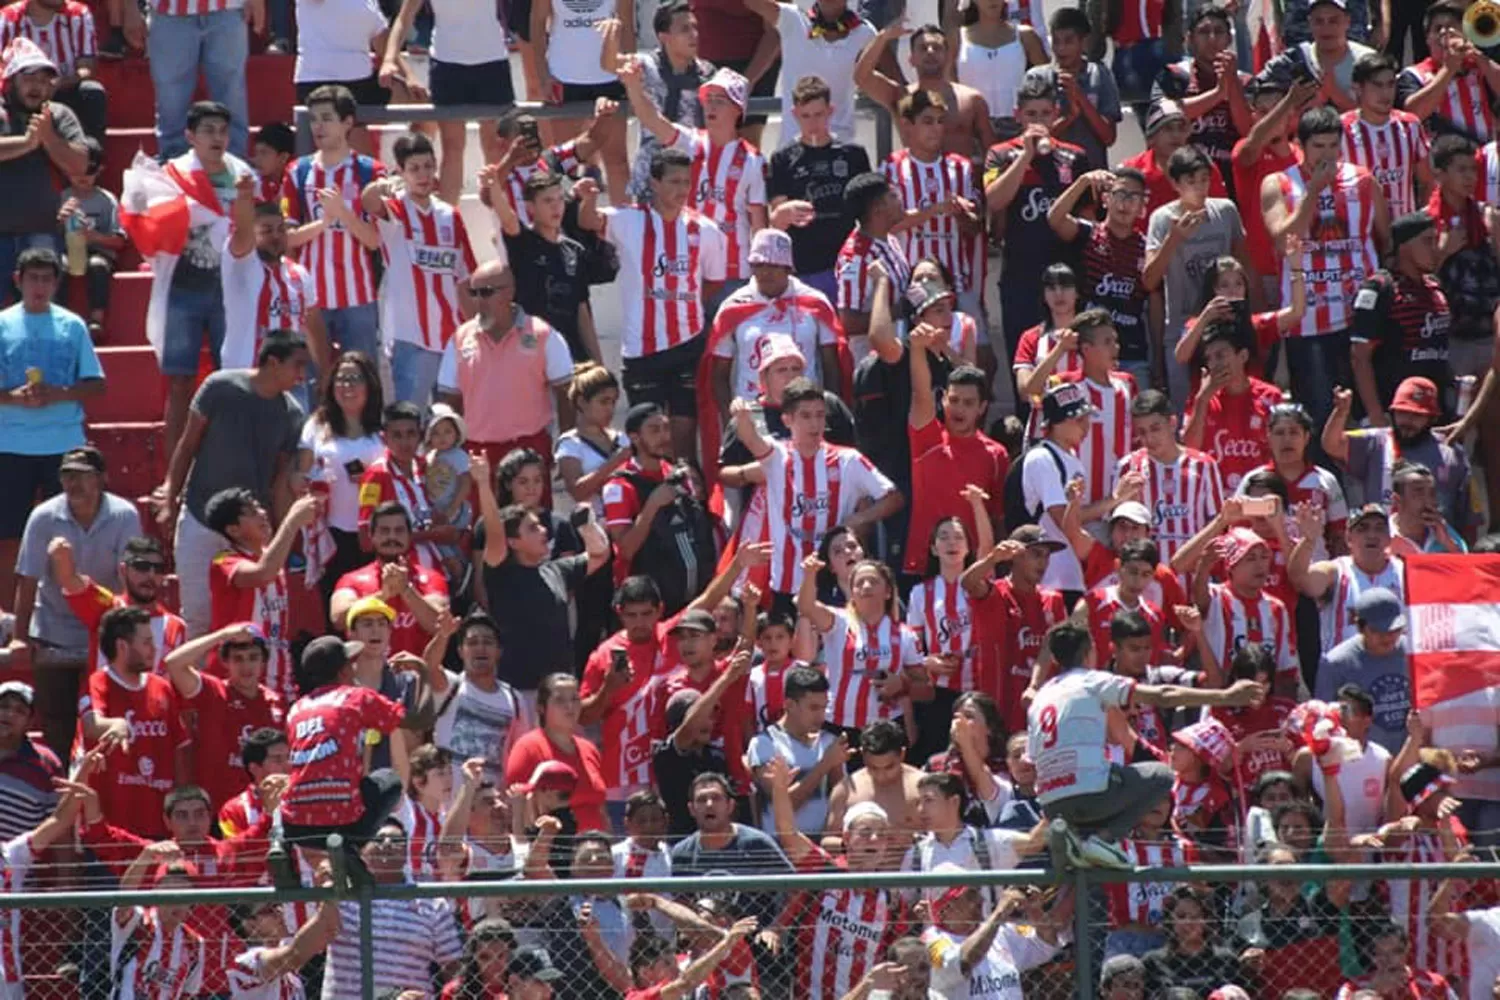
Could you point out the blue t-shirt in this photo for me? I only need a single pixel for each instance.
(56, 342)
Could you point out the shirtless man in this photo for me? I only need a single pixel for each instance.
(968, 132)
(884, 780)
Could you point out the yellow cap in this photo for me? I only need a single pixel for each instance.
(368, 606)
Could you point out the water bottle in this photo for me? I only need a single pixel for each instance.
(78, 245)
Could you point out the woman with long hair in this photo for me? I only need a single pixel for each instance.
(482, 974)
(874, 663)
(558, 737)
(338, 441)
(1192, 956)
(1050, 348)
(994, 54)
(1226, 284)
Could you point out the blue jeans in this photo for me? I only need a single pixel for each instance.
(1135, 943)
(1136, 67)
(355, 328)
(11, 245)
(1316, 365)
(414, 372)
(190, 313)
(1139, 370)
(178, 47)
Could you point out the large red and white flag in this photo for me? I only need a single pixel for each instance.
(153, 209)
(1453, 633)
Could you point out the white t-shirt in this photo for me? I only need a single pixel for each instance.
(787, 314)
(333, 39)
(247, 978)
(662, 269)
(1484, 951)
(996, 976)
(1042, 486)
(1067, 729)
(332, 460)
(570, 445)
(574, 42)
(478, 723)
(1363, 783)
(812, 815)
(833, 62)
(469, 33)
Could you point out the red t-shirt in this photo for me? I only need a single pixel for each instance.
(627, 719)
(1242, 722)
(1236, 430)
(406, 635)
(135, 781)
(1248, 177)
(225, 718)
(1101, 569)
(1013, 623)
(587, 801)
(941, 466)
(265, 606)
(727, 30)
(89, 606)
(1159, 189)
(328, 752)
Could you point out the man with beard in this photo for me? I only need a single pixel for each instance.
(1369, 455)
(27, 767)
(416, 594)
(95, 524)
(1339, 583)
(142, 568)
(721, 846)
(66, 28)
(968, 119)
(37, 135)
(264, 290)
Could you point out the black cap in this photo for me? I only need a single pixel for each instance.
(637, 415)
(326, 655)
(1409, 227)
(1421, 781)
(533, 963)
(85, 459)
(1064, 402)
(695, 620)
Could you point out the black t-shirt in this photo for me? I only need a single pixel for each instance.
(882, 410)
(1030, 245)
(1407, 320)
(817, 174)
(530, 604)
(1204, 972)
(551, 280)
(675, 771)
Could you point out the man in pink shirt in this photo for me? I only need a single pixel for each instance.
(499, 367)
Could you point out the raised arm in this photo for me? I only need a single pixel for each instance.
(808, 606)
(1310, 578)
(776, 777)
(1060, 215)
(242, 218)
(868, 79)
(641, 105)
(1335, 431)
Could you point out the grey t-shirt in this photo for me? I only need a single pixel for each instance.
(96, 552)
(1384, 678)
(246, 435)
(103, 210)
(750, 852)
(1183, 287)
(1281, 67)
(1371, 460)
(1098, 84)
(31, 201)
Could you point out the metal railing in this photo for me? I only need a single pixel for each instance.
(1088, 920)
(401, 114)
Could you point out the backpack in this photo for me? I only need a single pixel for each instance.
(1016, 511)
(680, 553)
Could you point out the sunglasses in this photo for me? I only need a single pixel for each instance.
(485, 291)
(147, 566)
(350, 379)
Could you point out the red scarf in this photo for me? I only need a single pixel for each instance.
(1471, 215)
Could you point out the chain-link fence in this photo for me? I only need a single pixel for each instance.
(466, 929)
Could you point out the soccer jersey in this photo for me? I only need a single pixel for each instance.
(663, 266)
(846, 933)
(1139, 904)
(940, 613)
(68, 37)
(327, 730)
(626, 749)
(921, 184)
(727, 182)
(856, 279)
(746, 320)
(260, 298)
(1113, 279)
(858, 658)
(1232, 621)
(89, 605)
(1338, 253)
(1104, 603)
(1109, 436)
(427, 254)
(343, 269)
(383, 480)
(1183, 495)
(264, 606)
(1236, 429)
(561, 159)
(942, 464)
(225, 717)
(1067, 732)
(136, 779)
(1338, 604)
(406, 635)
(249, 980)
(147, 965)
(1464, 106)
(1012, 624)
(1390, 152)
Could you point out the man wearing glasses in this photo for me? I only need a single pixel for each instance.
(96, 533)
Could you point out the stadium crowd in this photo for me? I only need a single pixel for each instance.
(1004, 481)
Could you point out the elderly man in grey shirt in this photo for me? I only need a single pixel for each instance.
(98, 524)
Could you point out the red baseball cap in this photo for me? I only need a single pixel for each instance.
(552, 776)
(1416, 395)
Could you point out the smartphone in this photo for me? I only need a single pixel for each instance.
(1241, 310)
(619, 661)
(581, 515)
(1254, 507)
(529, 133)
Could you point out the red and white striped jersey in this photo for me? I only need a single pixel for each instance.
(68, 37)
(858, 657)
(247, 979)
(342, 269)
(1390, 152)
(846, 934)
(1339, 251)
(1139, 903)
(1466, 102)
(16, 853)
(1338, 608)
(1232, 621)
(1104, 603)
(422, 829)
(260, 298)
(146, 966)
(427, 253)
(1108, 440)
(1487, 184)
(856, 279)
(1420, 985)
(804, 498)
(727, 181)
(939, 612)
(1409, 903)
(663, 266)
(1183, 496)
(561, 159)
(1319, 487)
(921, 184)
(240, 813)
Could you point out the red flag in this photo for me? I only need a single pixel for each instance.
(1453, 623)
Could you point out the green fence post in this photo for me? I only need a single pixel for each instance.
(1083, 941)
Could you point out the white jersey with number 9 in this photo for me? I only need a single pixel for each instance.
(1067, 731)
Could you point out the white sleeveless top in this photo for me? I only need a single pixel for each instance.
(467, 33)
(995, 73)
(574, 43)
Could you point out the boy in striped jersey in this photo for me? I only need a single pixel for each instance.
(1391, 144)
(1451, 90)
(1180, 486)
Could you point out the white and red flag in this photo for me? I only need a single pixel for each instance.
(1453, 634)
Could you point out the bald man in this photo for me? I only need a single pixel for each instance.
(498, 369)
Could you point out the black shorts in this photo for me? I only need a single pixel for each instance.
(667, 378)
(765, 87)
(366, 91)
(518, 18)
(28, 479)
(482, 83)
(614, 90)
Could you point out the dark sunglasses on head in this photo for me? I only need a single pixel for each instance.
(147, 566)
